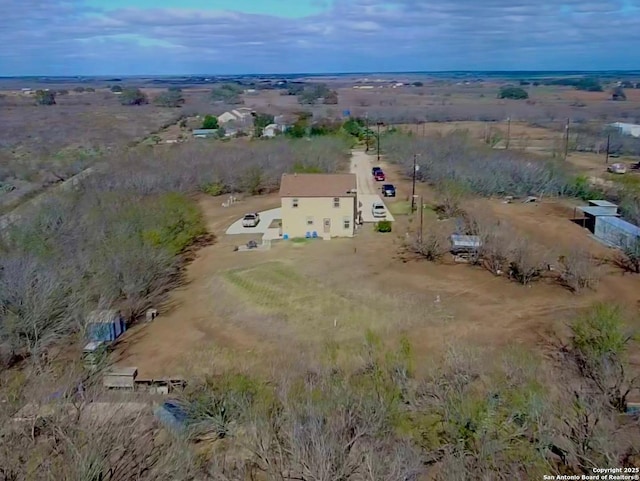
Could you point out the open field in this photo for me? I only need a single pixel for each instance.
(272, 310)
(421, 366)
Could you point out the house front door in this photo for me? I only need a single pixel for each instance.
(327, 226)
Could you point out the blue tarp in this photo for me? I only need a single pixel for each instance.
(103, 331)
(106, 331)
(172, 415)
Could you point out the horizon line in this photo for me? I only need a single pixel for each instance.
(271, 74)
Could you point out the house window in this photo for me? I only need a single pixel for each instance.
(336, 202)
(346, 223)
(309, 220)
(294, 203)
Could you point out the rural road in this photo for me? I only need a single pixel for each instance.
(368, 189)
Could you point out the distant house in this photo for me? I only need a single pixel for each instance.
(241, 114)
(204, 133)
(270, 130)
(283, 121)
(627, 129)
(226, 117)
(318, 205)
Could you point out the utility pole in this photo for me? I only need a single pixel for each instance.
(366, 116)
(413, 187)
(508, 131)
(566, 140)
(379, 124)
(606, 160)
(421, 218)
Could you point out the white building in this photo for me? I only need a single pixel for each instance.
(239, 115)
(270, 131)
(627, 129)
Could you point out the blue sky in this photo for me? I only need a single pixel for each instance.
(156, 37)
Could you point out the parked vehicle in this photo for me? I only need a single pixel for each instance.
(389, 190)
(251, 220)
(617, 168)
(374, 170)
(378, 210)
(379, 176)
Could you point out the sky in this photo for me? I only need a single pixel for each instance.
(174, 37)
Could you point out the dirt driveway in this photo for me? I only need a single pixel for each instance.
(368, 189)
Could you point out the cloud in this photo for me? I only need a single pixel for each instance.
(67, 38)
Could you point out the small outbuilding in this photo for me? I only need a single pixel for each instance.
(595, 209)
(616, 232)
(204, 133)
(465, 244)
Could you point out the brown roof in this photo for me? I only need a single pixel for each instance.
(317, 185)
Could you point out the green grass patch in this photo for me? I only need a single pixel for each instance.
(402, 207)
(629, 182)
(306, 303)
(300, 240)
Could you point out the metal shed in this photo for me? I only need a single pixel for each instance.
(464, 243)
(616, 232)
(605, 204)
(592, 212)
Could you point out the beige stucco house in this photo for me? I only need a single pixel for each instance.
(322, 203)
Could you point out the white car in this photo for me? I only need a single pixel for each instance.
(251, 220)
(378, 210)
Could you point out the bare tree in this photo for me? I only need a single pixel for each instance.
(628, 257)
(432, 245)
(526, 262)
(578, 271)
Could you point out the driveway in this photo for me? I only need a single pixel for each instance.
(266, 217)
(368, 188)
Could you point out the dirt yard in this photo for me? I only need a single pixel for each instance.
(264, 311)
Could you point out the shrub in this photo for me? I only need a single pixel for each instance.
(177, 223)
(599, 346)
(432, 246)
(45, 97)
(515, 93)
(171, 98)
(133, 96)
(583, 189)
(227, 93)
(383, 226)
(210, 122)
(214, 189)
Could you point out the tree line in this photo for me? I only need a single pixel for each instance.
(115, 242)
(464, 414)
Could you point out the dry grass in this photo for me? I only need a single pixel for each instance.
(288, 303)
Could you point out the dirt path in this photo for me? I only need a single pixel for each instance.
(368, 188)
(361, 164)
